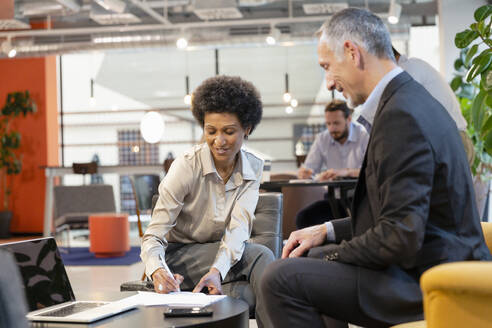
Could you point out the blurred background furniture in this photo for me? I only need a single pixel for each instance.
(59, 171)
(13, 308)
(457, 294)
(74, 205)
(297, 197)
(299, 194)
(109, 234)
(84, 168)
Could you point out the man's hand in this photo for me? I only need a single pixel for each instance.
(332, 174)
(304, 173)
(164, 283)
(301, 241)
(211, 280)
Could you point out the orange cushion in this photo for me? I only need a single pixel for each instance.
(109, 234)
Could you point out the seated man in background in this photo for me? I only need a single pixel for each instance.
(339, 151)
(413, 205)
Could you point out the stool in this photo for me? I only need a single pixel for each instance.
(109, 234)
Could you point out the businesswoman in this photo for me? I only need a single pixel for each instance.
(203, 218)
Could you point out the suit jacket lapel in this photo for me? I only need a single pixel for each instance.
(360, 189)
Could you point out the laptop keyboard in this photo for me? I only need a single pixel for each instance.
(71, 309)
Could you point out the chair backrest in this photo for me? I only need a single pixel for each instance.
(267, 227)
(13, 306)
(83, 199)
(487, 234)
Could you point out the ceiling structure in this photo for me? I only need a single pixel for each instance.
(80, 25)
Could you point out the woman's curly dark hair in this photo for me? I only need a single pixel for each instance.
(228, 94)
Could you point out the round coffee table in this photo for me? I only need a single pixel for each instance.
(228, 312)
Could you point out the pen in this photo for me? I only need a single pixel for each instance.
(167, 270)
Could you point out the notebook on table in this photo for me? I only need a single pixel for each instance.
(49, 294)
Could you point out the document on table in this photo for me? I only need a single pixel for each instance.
(178, 299)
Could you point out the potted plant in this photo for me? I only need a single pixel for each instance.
(10, 162)
(473, 87)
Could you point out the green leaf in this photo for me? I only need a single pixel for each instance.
(480, 64)
(463, 39)
(488, 143)
(456, 83)
(482, 13)
(486, 127)
(458, 63)
(470, 54)
(488, 100)
(477, 110)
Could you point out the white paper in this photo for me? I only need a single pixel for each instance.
(178, 299)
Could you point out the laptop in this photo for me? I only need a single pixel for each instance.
(48, 291)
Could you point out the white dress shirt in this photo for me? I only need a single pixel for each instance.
(195, 206)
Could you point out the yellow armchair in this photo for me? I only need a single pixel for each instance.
(457, 294)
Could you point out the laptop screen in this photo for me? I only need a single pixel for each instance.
(43, 273)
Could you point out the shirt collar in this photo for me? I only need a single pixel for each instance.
(352, 137)
(243, 166)
(370, 106)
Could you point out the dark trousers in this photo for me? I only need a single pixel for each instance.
(194, 260)
(297, 292)
(317, 213)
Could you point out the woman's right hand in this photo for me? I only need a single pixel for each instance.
(164, 283)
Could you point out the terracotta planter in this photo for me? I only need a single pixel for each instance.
(5, 217)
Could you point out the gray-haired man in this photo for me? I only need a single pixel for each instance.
(413, 205)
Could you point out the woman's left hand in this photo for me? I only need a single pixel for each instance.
(211, 280)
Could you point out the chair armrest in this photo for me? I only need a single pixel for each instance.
(458, 294)
(467, 277)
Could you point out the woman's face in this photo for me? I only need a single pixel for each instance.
(224, 135)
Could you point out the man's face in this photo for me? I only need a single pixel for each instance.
(343, 75)
(338, 125)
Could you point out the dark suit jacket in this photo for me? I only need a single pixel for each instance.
(414, 205)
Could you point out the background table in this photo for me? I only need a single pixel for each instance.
(228, 312)
(299, 194)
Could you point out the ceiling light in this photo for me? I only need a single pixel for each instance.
(152, 127)
(187, 97)
(12, 53)
(8, 49)
(294, 103)
(394, 12)
(289, 110)
(117, 6)
(216, 10)
(92, 99)
(182, 43)
(273, 37)
(287, 96)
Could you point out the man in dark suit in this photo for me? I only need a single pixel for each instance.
(413, 207)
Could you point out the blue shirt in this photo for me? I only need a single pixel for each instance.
(327, 153)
